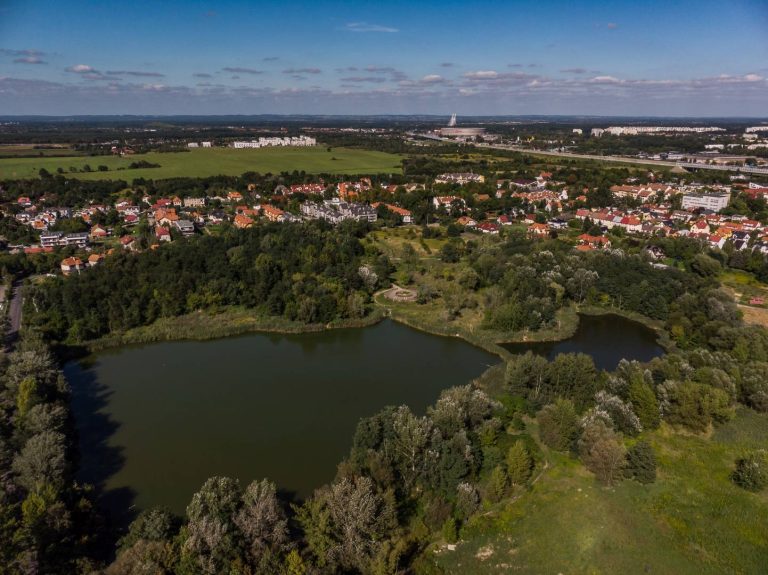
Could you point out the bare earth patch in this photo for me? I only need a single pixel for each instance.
(398, 294)
(484, 553)
(755, 315)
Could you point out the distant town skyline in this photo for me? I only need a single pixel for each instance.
(688, 58)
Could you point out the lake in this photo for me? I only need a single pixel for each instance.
(156, 420)
(607, 338)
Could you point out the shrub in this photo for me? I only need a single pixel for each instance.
(450, 530)
(497, 484)
(751, 471)
(518, 463)
(601, 451)
(559, 425)
(641, 463)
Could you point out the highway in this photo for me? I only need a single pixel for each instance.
(668, 164)
(616, 159)
(619, 159)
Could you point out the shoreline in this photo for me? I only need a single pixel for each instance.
(202, 326)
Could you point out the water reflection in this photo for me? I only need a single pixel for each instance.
(607, 338)
(157, 420)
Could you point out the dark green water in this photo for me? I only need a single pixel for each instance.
(607, 338)
(155, 421)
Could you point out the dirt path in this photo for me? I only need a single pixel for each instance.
(398, 294)
(14, 314)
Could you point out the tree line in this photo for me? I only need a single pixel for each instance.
(310, 273)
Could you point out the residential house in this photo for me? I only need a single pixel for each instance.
(306, 189)
(447, 202)
(402, 212)
(162, 234)
(98, 232)
(95, 259)
(596, 242)
(700, 227)
(488, 227)
(71, 265)
(538, 230)
(128, 242)
(272, 213)
(244, 222)
(166, 217)
(186, 227)
(716, 241)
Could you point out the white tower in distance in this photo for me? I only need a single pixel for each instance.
(452, 121)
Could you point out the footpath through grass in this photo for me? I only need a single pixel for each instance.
(692, 520)
(203, 162)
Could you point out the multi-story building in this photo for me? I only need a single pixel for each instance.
(334, 211)
(714, 201)
(459, 178)
(267, 142)
(194, 202)
(54, 239)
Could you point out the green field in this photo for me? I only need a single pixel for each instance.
(28, 150)
(692, 520)
(211, 162)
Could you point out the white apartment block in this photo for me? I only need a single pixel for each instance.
(635, 130)
(267, 142)
(714, 201)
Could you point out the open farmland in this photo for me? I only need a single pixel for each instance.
(209, 162)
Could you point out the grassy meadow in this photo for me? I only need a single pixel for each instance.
(203, 162)
(692, 520)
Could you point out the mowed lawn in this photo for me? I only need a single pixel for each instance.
(211, 162)
(692, 520)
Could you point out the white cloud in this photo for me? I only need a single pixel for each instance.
(432, 79)
(482, 74)
(81, 69)
(29, 60)
(605, 80)
(365, 27)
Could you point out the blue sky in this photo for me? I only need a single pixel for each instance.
(320, 57)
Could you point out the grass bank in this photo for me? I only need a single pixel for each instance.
(232, 321)
(430, 317)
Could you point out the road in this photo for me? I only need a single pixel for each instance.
(617, 159)
(622, 160)
(14, 313)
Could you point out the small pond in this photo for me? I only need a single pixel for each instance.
(607, 338)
